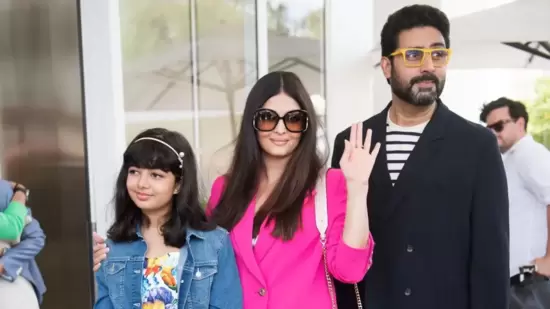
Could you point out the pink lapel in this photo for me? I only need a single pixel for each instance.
(242, 235)
(265, 243)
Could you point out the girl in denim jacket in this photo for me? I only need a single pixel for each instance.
(162, 251)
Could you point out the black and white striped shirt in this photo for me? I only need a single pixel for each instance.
(400, 142)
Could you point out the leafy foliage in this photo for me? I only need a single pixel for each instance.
(148, 26)
(539, 112)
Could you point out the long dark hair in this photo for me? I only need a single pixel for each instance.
(284, 205)
(186, 207)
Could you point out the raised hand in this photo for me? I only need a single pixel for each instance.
(358, 160)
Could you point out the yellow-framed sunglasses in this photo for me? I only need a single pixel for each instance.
(415, 57)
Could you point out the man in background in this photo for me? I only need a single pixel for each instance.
(527, 165)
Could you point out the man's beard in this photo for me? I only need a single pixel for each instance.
(421, 96)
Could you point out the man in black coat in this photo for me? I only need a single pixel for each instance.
(438, 203)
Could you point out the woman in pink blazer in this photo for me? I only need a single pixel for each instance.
(267, 202)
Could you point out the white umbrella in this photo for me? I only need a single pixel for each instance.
(518, 21)
(486, 55)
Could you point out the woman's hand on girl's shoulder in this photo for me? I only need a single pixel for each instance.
(100, 251)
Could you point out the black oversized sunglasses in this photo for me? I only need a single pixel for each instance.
(295, 121)
(499, 125)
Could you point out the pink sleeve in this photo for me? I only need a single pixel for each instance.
(215, 194)
(345, 263)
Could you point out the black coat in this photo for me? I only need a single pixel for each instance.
(441, 233)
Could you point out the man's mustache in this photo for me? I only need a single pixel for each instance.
(428, 77)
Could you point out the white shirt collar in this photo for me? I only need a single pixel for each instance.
(522, 141)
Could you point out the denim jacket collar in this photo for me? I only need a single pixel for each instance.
(190, 232)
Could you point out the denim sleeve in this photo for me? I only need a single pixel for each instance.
(226, 290)
(102, 296)
(33, 240)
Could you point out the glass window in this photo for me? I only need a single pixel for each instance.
(227, 69)
(42, 146)
(157, 67)
(296, 43)
(188, 66)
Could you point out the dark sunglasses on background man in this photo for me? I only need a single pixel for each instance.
(295, 121)
(499, 125)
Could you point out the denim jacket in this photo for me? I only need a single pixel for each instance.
(207, 272)
(20, 259)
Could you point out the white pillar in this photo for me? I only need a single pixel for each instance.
(349, 40)
(104, 104)
(262, 33)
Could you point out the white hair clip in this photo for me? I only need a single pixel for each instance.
(180, 155)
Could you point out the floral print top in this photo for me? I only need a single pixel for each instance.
(159, 287)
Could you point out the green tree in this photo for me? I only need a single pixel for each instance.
(539, 112)
(277, 19)
(280, 23)
(314, 22)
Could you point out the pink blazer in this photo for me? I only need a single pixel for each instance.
(290, 275)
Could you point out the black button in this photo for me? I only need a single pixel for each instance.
(407, 292)
(410, 248)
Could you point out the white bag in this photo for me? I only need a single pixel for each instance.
(321, 220)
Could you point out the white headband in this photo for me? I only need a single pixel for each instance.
(179, 155)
